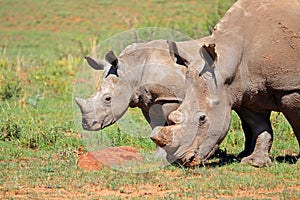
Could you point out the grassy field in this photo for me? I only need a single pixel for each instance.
(42, 45)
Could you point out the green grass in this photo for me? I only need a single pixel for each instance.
(42, 44)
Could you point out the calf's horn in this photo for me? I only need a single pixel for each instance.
(80, 102)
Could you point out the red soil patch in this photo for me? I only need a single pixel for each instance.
(111, 157)
(76, 19)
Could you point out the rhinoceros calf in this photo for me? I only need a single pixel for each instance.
(144, 75)
(251, 65)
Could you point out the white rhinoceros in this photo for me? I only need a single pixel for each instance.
(251, 65)
(144, 75)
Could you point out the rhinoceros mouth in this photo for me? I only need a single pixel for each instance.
(194, 159)
(95, 125)
(106, 124)
(191, 160)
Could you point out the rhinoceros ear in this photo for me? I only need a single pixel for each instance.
(179, 59)
(208, 53)
(112, 58)
(95, 63)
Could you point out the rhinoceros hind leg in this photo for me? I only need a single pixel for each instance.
(291, 109)
(293, 116)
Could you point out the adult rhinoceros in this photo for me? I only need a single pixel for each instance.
(144, 75)
(251, 65)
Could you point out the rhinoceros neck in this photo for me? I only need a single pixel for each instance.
(230, 37)
(254, 41)
(152, 73)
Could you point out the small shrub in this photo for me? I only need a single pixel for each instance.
(10, 85)
(10, 130)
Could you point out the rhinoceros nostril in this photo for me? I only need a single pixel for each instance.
(84, 123)
(94, 122)
(202, 117)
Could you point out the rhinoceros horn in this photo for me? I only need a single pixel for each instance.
(80, 102)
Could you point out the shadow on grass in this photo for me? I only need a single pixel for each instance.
(287, 159)
(220, 158)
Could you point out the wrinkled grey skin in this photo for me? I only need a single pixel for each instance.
(251, 64)
(144, 75)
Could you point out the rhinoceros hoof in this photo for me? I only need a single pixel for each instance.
(257, 161)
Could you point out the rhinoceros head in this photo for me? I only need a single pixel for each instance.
(202, 120)
(97, 110)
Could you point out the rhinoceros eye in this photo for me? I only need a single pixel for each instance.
(202, 118)
(107, 99)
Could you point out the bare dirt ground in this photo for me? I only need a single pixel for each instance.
(142, 191)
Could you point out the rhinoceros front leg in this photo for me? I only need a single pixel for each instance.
(259, 137)
(159, 151)
(249, 140)
(157, 114)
